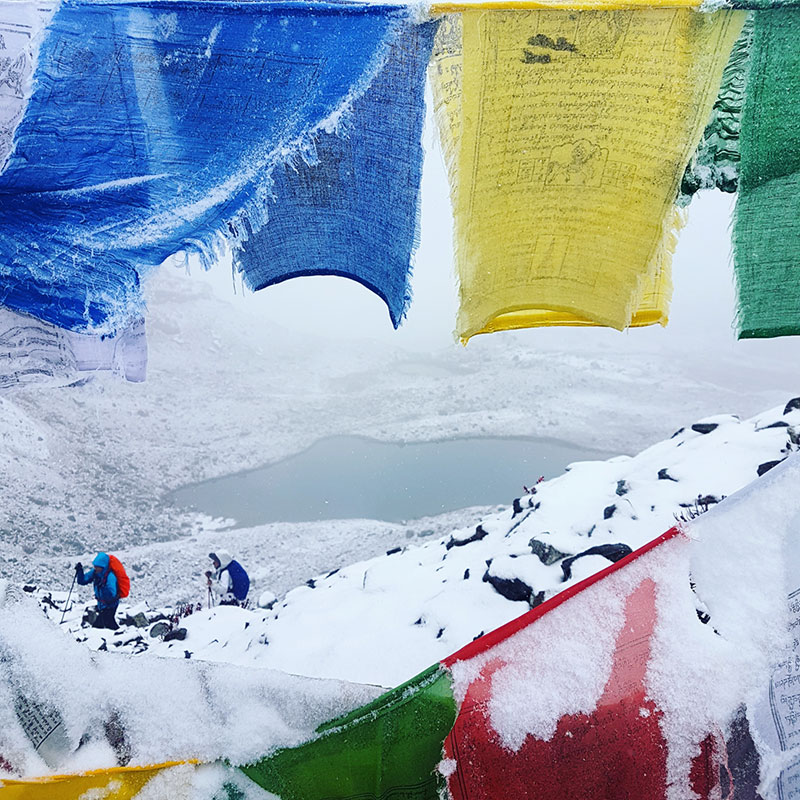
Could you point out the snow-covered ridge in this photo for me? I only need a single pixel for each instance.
(382, 620)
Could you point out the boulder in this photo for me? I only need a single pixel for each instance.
(479, 534)
(792, 405)
(704, 427)
(767, 466)
(511, 588)
(613, 552)
(159, 629)
(546, 553)
(178, 634)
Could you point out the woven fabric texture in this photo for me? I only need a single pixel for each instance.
(152, 127)
(766, 231)
(352, 208)
(387, 749)
(566, 134)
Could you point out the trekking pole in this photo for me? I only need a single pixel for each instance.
(74, 577)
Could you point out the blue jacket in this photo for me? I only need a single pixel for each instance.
(105, 581)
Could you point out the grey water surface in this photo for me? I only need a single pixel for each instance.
(353, 477)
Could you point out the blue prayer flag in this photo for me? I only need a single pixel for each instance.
(153, 127)
(352, 209)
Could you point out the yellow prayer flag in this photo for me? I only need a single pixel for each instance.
(116, 783)
(565, 135)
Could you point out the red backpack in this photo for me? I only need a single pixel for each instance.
(123, 581)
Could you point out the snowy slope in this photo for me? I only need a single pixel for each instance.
(85, 467)
(382, 620)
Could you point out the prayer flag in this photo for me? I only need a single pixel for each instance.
(351, 206)
(389, 748)
(566, 134)
(153, 127)
(766, 231)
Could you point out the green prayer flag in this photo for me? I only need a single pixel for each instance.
(386, 750)
(766, 233)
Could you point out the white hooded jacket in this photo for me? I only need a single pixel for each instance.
(221, 582)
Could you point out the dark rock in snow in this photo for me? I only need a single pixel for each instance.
(767, 466)
(613, 552)
(159, 629)
(792, 405)
(608, 511)
(311, 583)
(704, 427)
(537, 599)
(439, 635)
(702, 502)
(546, 553)
(178, 634)
(517, 507)
(622, 488)
(779, 424)
(466, 574)
(663, 475)
(478, 636)
(512, 589)
(114, 730)
(393, 551)
(677, 433)
(28, 588)
(479, 534)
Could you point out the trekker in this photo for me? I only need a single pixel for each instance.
(229, 580)
(106, 590)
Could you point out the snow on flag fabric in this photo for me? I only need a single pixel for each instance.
(566, 135)
(351, 209)
(647, 679)
(766, 231)
(593, 694)
(151, 127)
(117, 783)
(389, 748)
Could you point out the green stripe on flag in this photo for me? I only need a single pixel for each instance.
(385, 750)
(766, 234)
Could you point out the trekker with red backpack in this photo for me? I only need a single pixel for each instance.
(111, 583)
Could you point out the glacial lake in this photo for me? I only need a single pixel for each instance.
(353, 477)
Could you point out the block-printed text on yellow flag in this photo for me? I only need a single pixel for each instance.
(566, 134)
